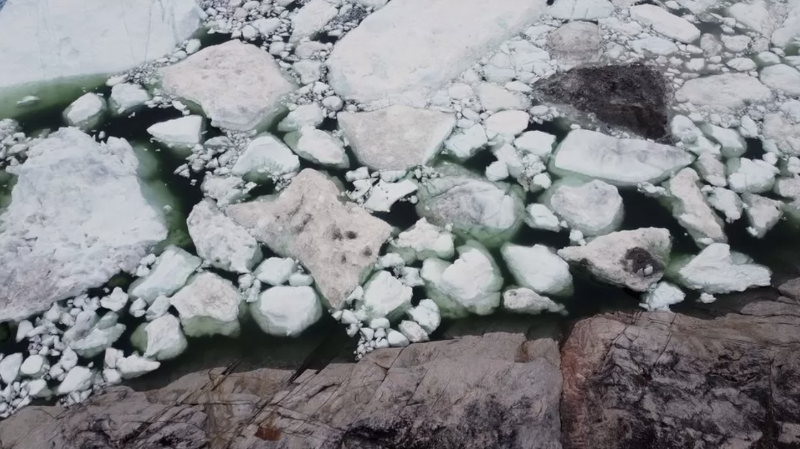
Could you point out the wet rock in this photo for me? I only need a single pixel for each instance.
(337, 243)
(630, 96)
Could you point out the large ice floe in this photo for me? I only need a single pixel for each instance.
(395, 165)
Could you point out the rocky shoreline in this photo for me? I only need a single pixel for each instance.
(719, 375)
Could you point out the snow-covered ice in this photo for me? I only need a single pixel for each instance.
(423, 240)
(160, 339)
(594, 208)
(718, 270)
(319, 147)
(662, 296)
(170, 272)
(385, 297)
(208, 305)
(527, 301)
(286, 311)
(275, 270)
(86, 112)
(220, 241)
(180, 134)
(690, 209)
(265, 158)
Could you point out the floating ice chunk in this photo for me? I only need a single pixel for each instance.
(303, 115)
(654, 46)
(413, 332)
(68, 360)
(310, 19)
(423, 240)
(742, 64)
(785, 187)
(135, 365)
(37, 388)
(689, 207)
(94, 340)
(170, 272)
(748, 175)
(711, 169)
(507, 123)
(575, 43)
(238, 86)
(225, 189)
(180, 134)
(384, 194)
(541, 217)
(112, 377)
(536, 142)
(116, 301)
(160, 339)
(621, 162)
(426, 314)
(286, 311)
(127, 98)
(733, 144)
(527, 301)
(463, 144)
(594, 208)
(220, 241)
(762, 213)
(33, 366)
(538, 268)
(782, 78)
(396, 339)
(581, 9)
(784, 131)
(386, 297)
(488, 212)
(208, 305)
(662, 296)
(9, 368)
(23, 329)
(471, 284)
(497, 171)
(725, 201)
(86, 112)
(78, 378)
(752, 15)
(494, 98)
(264, 159)
(730, 91)
(158, 308)
(275, 270)
(391, 260)
(397, 137)
(633, 259)
(718, 270)
(318, 147)
(667, 24)
(682, 128)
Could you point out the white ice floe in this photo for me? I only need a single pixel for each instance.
(782, 78)
(594, 207)
(160, 339)
(384, 194)
(397, 137)
(34, 366)
(318, 146)
(536, 142)
(9, 367)
(581, 9)
(385, 297)
(762, 213)
(470, 284)
(494, 98)
(135, 365)
(691, 137)
(127, 98)
(92, 334)
(303, 115)
(78, 378)
(265, 158)
(711, 169)
(541, 217)
(116, 301)
(77, 217)
(633, 259)
(662, 296)
(310, 19)
(732, 144)
(86, 112)
(538, 268)
(275, 270)
(427, 315)
(575, 43)
(423, 240)
(208, 305)
(718, 270)
(622, 162)
(286, 311)
(463, 144)
(413, 331)
(730, 91)
(507, 123)
(665, 23)
(220, 241)
(180, 134)
(750, 175)
(238, 86)
(527, 301)
(170, 272)
(654, 46)
(690, 208)
(725, 201)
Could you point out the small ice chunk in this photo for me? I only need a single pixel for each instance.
(662, 296)
(220, 241)
(310, 19)
(507, 123)
(275, 270)
(23, 329)
(396, 339)
(116, 301)
(527, 301)
(86, 112)
(654, 46)
(594, 208)
(665, 23)
(208, 305)
(9, 367)
(384, 194)
(303, 115)
(34, 366)
(463, 144)
(781, 78)
(264, 159)
(386, 297)
(423, 240)
(127, 98)
(170, 272)
(748, 175)
(413, 332)
(112, 377)
(762, 213)
(160, 339)
(181, 134)
(95, 338)
(318, 147)
(286, 311)
(536, 142)
(733, 144)
(541, 217)
(725, 201)
(711, 169)
(427, 315)
(538, 268)
(135, 365)
(37, 388)
(496, 171)
(718, 270)
(78, 378)
(494, 98)
(690, 208)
